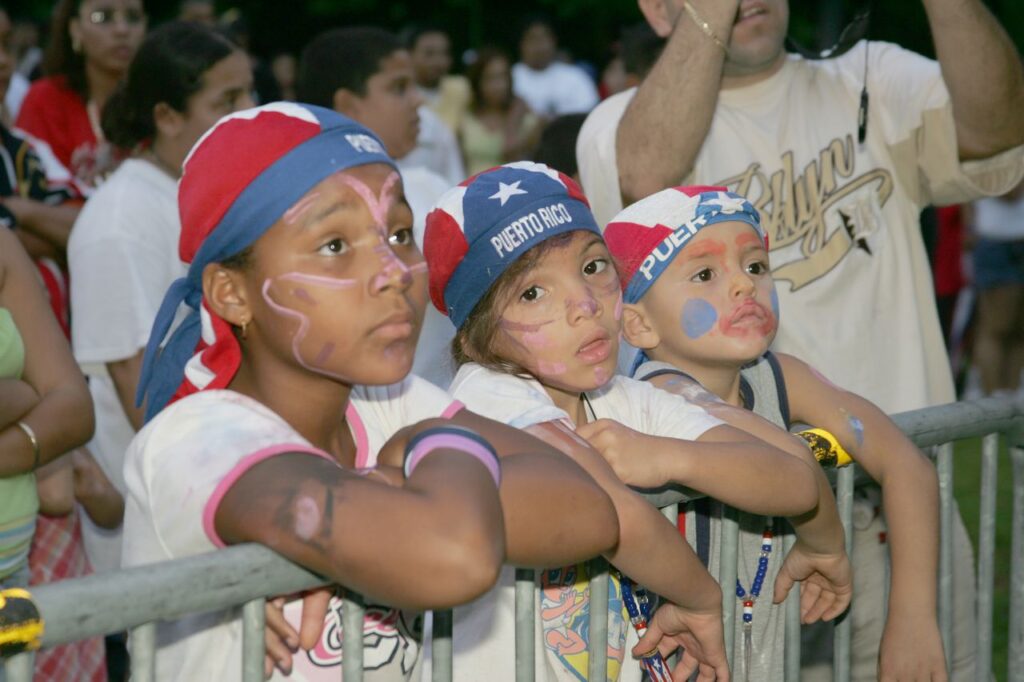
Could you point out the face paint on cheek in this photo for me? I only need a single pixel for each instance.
(379, 205)
(618, 307)
(418, 268)
(775, 304)
(698, 317)
(300, 334)
(552, 369)
(601, 375)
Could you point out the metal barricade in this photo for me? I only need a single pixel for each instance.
(242, 577)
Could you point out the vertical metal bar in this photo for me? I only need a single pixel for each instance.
(254, 620)
(1015, 667)
(352, 614)
(844, 503)
(526, 610)
(142, 649)
(944, 465)
(727, 558)
(597, 661)
(441, 648)
(792, 660)
(19, 668)
(986, 554)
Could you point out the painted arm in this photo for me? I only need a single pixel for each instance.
(664, 127)
(555, 513)
(50, 223)
(63, 417)
(435, 542)
(911, 644)
(983, 72)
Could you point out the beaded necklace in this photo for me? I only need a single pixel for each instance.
(748, 600)
(639, 610)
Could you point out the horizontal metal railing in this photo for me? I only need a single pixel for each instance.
(243, 576)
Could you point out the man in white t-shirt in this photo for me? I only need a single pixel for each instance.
(725, 105)
(550, 87)
(366, 74)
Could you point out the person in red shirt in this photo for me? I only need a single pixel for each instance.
(93, 44)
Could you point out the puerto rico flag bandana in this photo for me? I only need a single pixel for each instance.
(238, 180)
(645, 236)
(486, 223)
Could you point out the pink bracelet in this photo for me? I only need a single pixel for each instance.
(451, 438)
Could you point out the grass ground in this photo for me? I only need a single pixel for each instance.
(967, 489)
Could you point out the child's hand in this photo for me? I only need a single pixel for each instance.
(700, 635)
(630, 453)
(280, 638)
(827, 583)
(911, 650)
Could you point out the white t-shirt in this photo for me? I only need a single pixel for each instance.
(559, 89)
(436, 149)
(999, 219)
(122, 254)
(178, 469)
(853, 278)
(483, 635)
(433, 360)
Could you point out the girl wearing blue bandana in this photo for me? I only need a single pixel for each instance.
(280, 410)
(518, 264)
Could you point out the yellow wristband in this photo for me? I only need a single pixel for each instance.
(826, 448)
(21, 628)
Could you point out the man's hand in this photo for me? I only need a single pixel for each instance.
(827, 582)
(700, 635)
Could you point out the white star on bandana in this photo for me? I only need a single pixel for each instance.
(506, 191)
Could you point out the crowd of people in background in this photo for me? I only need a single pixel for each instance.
(104, 111)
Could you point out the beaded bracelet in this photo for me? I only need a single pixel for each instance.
(826, 448)
(451, 438)
(27, 430)
(704, 26)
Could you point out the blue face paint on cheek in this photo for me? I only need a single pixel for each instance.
(698, 317)
(775, 304)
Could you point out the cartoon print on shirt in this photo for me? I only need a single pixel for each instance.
(827, 208)
(386, 636)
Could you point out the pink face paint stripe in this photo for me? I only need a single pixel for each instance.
(509, 325)
(355, 425)
(379, 205)
(300, 333)
(318, 280)
(292, 215)
(324, 353)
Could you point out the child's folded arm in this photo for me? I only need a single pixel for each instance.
(436, 542)
(909, 496)
(650, 549)
(724, 463)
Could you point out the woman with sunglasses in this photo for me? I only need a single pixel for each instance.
(93, 42)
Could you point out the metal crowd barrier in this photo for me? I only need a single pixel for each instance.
(135, 599)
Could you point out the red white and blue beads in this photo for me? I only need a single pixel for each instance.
(762, 571)
(638, 607)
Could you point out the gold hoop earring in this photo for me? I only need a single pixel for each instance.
(245, 330)
(76, 44)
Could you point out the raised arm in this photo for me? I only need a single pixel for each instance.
(63, 417)
(435, 542)
(665, 125)
(983, 72)
(911, 644)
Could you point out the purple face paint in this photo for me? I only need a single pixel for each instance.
(551, 368)
(315, 280)
(856, 427)
(303, 296)
(324, 353)
(601, 375)
(775, 304)
(618, 307)
(698, 317)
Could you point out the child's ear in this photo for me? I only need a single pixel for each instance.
(637, 328)
(167, 121)
(346, 102)
(225, 292)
